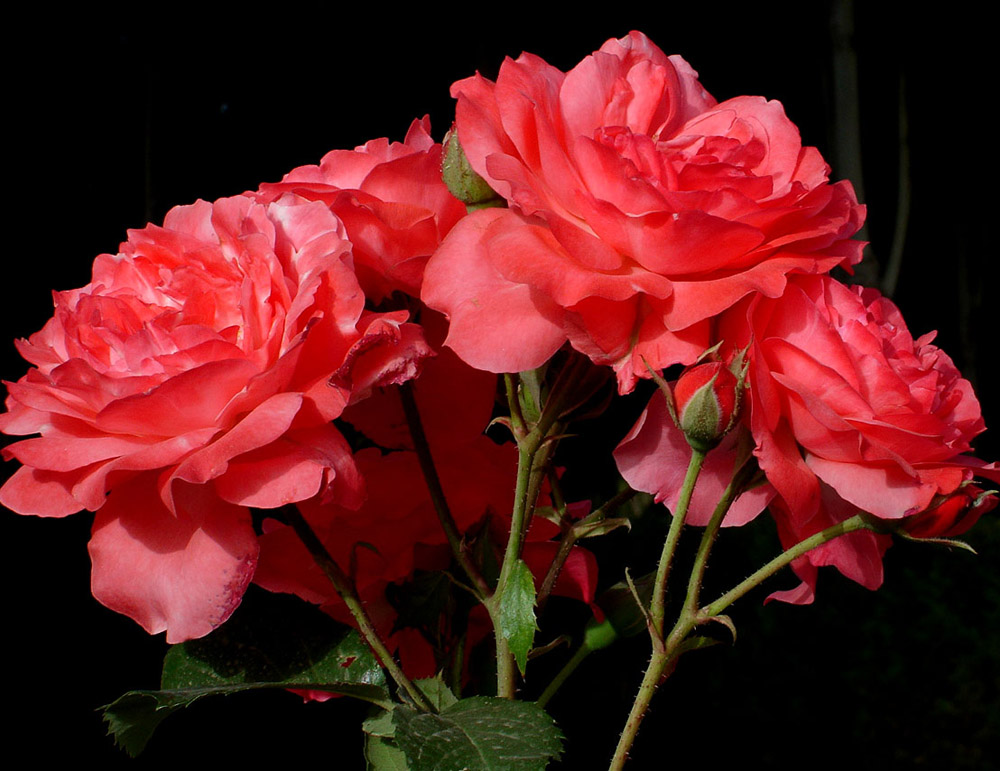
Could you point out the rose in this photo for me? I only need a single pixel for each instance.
(391, 200)
(196, 376)
(639, 210)
(850, 414)
(954, 515)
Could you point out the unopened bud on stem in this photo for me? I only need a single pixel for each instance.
(462, 180)
(951, 515)
(707, 400)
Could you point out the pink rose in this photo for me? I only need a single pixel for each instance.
(194, 377)
(639, 210)
(391, 200)
(850, 414)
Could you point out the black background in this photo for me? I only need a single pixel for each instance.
(115, 120)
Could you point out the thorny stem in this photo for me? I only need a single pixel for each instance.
(657, 608)
(437, 491)
(736, 486)
(518, 525)
(664, 651)
(566, 544)
(662, 657)
(569, 538)
(535, 448)
(654, 673)
(345, 588)
(857, 522)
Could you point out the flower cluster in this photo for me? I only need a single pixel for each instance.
(641, 223)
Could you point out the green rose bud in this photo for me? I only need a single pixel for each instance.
(462, 180)
(707, 403)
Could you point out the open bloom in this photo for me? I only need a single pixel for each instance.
(194, 377)
(850, 413)
(639, 209)
(392, 201)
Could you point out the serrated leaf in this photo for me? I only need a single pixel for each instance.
(517, 613)
(133, 717)
(381, 750)
(379, 724)
(277, 642)
(382, 754)
(437, 692)
(482, 733)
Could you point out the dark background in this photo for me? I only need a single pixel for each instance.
(116, 120)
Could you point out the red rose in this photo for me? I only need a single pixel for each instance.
(392, 201)
(953, 515)
(639, 210)
(850, 413)
(194, 377)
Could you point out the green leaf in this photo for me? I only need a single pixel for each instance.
(437, 691)
(482, 733)
(133, 717)
(517, 613)
(276, 642)
(380, 724)
(381, 750)
(382, 754)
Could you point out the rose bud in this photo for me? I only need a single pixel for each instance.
(462, 181)
(707, 403)
(954, 515)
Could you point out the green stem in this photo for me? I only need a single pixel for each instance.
(436, 491)
(505, 661)
(732, 491)
(581, 653)
(516, 419)
(662, 656)
(657, 609)
(654, 674)
(533, 446)
(569, 539)
(541, 467)
(455, 669)
(857, 522)
(345, 588)
(566, 545)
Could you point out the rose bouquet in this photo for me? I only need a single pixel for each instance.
(375, 387)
